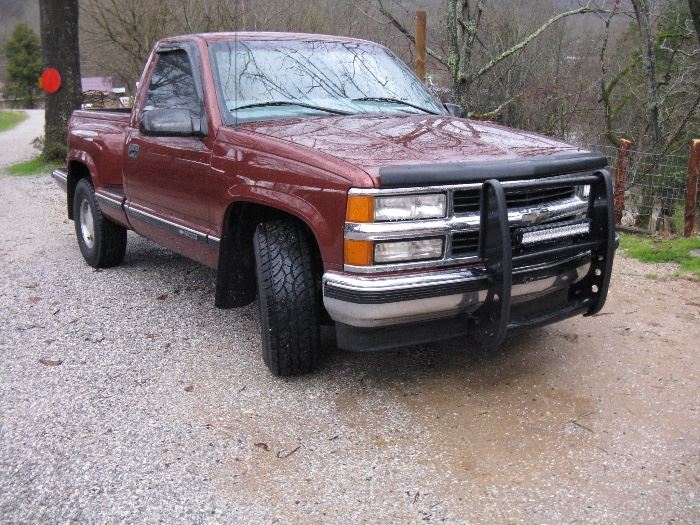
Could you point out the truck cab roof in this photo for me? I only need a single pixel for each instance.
(263, 35)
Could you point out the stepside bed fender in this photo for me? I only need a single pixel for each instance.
(80, 165)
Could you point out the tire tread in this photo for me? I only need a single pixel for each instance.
(289, 306)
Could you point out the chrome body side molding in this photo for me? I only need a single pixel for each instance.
(171, 226)
(111, 201)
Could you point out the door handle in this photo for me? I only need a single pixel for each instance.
(133, 151)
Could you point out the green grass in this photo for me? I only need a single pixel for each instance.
(9, 119)
(33, 167)
(652, 250)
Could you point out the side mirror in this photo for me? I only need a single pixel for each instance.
(454, 109)
(173, 122)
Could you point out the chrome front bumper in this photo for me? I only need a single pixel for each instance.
(368, 302)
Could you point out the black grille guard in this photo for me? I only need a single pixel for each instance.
(493, 318)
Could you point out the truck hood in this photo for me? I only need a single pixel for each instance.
(372, 141)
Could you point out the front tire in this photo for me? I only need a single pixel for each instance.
(289, 303)
(102, 242)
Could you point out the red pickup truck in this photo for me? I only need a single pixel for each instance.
(319, 174)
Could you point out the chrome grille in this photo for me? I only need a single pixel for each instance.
(460, 227)
(517, 198)
(465, 243)
(467, 201)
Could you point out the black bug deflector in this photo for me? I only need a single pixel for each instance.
(496, 315)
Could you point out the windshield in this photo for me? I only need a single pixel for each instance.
(259, 80)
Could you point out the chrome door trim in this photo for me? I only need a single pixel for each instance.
(172, 227)
(108, 201)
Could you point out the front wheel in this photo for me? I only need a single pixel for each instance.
(102, 242)
(289, 303)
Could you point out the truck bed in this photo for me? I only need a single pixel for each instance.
(96, 138)
(118, 114)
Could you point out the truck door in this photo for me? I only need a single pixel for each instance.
(165, 176)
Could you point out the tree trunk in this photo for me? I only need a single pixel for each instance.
(61, 50)
(641, 10)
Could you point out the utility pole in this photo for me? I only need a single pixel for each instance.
(421, 25)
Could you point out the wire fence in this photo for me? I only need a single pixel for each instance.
(654, 189)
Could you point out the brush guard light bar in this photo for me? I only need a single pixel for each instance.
(490, 322)
(549, 233)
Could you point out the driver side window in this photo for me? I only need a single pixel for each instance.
(172, 84)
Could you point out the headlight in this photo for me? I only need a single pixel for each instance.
(365, 208)
(401, 251)
(410, 207)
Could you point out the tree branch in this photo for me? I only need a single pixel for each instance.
(492, 113)
(521, 45)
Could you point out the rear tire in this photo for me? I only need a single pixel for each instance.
(289, 303)
(102, 242)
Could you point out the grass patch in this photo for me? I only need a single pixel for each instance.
(9, 119)
(33, 167)
(652, 250)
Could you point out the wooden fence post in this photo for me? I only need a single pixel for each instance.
(691, 191)
(421, 24)
(621, 167)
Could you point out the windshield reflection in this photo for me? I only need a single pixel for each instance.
(259, 80)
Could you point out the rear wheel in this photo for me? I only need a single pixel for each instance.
(289, 304)
(102, 242)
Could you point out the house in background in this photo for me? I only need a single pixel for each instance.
(99, 92)
(102, 84)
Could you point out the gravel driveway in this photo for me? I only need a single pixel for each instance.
(16, 143)
(161, 409)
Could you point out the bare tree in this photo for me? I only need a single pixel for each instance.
(607, 88)
(654, 96)
(641, 11)
(694, 7)
(463, 21)
(528, 64)
(119, 34)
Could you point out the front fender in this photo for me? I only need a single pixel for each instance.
(312, 211)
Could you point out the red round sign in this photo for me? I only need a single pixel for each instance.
(50, 80)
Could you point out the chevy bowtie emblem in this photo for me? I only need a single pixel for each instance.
(535, 216)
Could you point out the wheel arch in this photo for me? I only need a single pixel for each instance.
(236, 279)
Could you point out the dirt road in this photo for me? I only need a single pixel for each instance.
(161, 408)
(16, 143)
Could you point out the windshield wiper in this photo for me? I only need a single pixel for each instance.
(292, 103)
(394, 101)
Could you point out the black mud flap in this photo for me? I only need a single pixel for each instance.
(490, 321)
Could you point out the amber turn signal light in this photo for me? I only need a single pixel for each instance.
(360, 208)
(358, 253)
